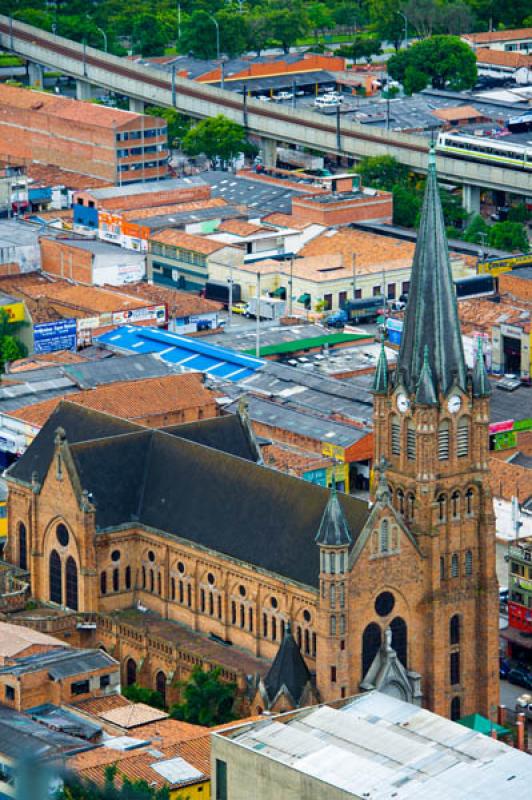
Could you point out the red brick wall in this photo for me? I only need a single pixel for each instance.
(511, 283)
(58, 258)
(344, 211)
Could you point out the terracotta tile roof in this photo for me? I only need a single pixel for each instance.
(55, 176)
(16, 638)
(293, 460)
(458, 112)
(46, 360)
(170, 731)
(132, 400)
(132, 715)
(178, 303)
(97, 705)
(509, 480)
(482, 315)
(175, 208)
(499, 36)
(189, 241)
(240, 228)
(373, 253)
(11, 268)
(91, 299)
(287, 221)
(503, 58)
(68, 109)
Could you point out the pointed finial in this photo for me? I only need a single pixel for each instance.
(481, 385)
(432, 156)
(380, 380)
(383, 493)
(60, 436)
(426, 393)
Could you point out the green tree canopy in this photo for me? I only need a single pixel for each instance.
(208, 700)
(140, 694)
(406, 207)
(509, 236)
(217, 137)
(381, 172)
(361, 47)
(177, 123)
(199, 36)
(78, 789)
(386, 21)
(446, 61)
(476, 231)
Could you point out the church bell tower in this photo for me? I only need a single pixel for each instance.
(431, 422)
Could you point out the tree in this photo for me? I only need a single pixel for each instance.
(199, 36)
(288, 24)
(477, 231)
(445, 60)
(11, 348)
(320, 18)
(234, 32)
(208, 699)
(518, 213)
(361, 47)
(78, 789)
(382, 172)
(217, 137)
(509, 236)
(177, 124)
(386, 21)
(406, 207)
(258, 31)
(140, 694)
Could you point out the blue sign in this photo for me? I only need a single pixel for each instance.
(50, 336)
(395, 330)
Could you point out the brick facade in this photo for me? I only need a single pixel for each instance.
(59, 258)
(344, 210)
(519, 287)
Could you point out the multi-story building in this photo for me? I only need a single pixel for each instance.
(230, 556)
(519, 629)
(119, 146)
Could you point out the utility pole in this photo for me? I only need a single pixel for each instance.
(174, 98)
(293, 94)
(230, 319)
(354, 279)
(290, 286)
(179, 20)
(215, 21)
(257, 311)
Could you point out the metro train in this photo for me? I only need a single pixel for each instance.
(493, 151)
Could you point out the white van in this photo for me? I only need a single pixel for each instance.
(326, 102)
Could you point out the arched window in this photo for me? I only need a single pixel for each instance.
(283, 628)
(233, 612)
(160, 685)
(454, 566)
(71, 584)
(462, 437)
(131, 672)
(211, 604)
(181, 592)
(332, 595)
(202, 601)
(441, 507)
(468, 562)
(410, 505)
(152, 581)
(143, 577)
(332, 563)
(22, 546)
(265, 625)
(342, 624)
(242, 616)
(341, 595)
(55, 576)
(384, 538)
(455, 504)
(400, 639)
(454, 629)
(116, 580)
(219, 606)
(298, 636)
(332, 625)
(127, 577)
(274, 629)
(442, 568)
(371, 642)
(469, 502)
(189, 595)
(411, 441)
(159, 584)
(395, 433)
(314, 645)
(307, 641)
(250, 619)
(455, 709)
(454, 668)
(401, 501)
(103, 582)
(443, 440)
(172, 588)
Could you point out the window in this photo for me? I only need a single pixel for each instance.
(341, 596)
(181, 592)
(442, 568)
(160, 685)
(454, 630)
(332, 563)
(454, 667)
(79, 687)
(384, 537)
(454, 566)
(274, 629)
(307, 642)
(265, 626)
(242, 616)
(468, 562)
(55, 578)
(105, 680)
(211, 604)
(395, 431)
(116, 580)
(462, 437)
(250, 619)
(327, 302)
(342, 624)
(221, 780)
(71, 575)
(410, 505)
(401, 501)
(342, 299)
(332, 625)
(152, 581)
(455, 709)
(371, 642)
(332, 595)
(411, 441)
(233, 612)
(358, 294)
(441, 507)
(391, 291)
(455, 504)
(143, 577)
(405, 288)
(384, 604)
(202, 601)
(469, 502)
(376, 291)
(62, 534)
(399, 639)
(103, 582)
(333, 674)
(22, 546)
(443, 441)
(127, 577)
(131, 672)
(10, 692)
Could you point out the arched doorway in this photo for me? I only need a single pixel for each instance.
(399, 639)
(71, 584)
(55, 578)
(131, 672)
(160, 685)
(371, 642)
(22, 546)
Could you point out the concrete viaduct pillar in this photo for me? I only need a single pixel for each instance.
(35, 75)
(136, 105)
(269, 152)
(471, 198)
(83, 90)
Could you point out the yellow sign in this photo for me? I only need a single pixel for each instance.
(333, 450)
(15, 311)
(498, 265)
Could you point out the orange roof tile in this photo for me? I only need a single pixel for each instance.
(241, 228)
(46, 360)
(174, 208)
(178, 303)
(499, 36)
(95, 705)
(373, 253)
(503, 58)
(287, 221)
(293, 460)
(132, 715)
(132, 400)
(458, 112)
(482, 315)
(91, 299)
(169, 730)
(11, 268)
(189, 241)
(56, 176)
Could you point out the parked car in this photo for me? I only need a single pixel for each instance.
(283, 96)
(264, 98)
(504, 667)
(239, 308)
(523, 705)
(520, 676)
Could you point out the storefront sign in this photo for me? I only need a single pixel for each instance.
(15, 311)
(501, 427)
(497, 265)
(333, 450)
(50, 336)
(154, 313)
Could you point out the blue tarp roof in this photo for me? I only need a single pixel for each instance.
(188, 352)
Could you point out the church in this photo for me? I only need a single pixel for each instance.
(332, 594)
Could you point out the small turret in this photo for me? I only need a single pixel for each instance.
(426, 393)
(380, 380)
(481, 384)
(333, 530)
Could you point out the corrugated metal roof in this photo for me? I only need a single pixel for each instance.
(177, 770)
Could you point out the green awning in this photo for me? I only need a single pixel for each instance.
(279, 292)
(304, 298)
(480, 724)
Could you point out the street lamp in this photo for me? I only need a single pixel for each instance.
(401, 14)
(213, 19)
(101, 30)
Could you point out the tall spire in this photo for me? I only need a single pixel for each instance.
(426, 394)
(431, 317)
(380, 379)
(481, 384)
(334, 530)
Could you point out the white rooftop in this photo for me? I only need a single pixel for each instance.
(378, 747)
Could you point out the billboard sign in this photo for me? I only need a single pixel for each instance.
(58, 335)
(155, 314)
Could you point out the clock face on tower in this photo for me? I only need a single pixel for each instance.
(454, 403)
(403, 403)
